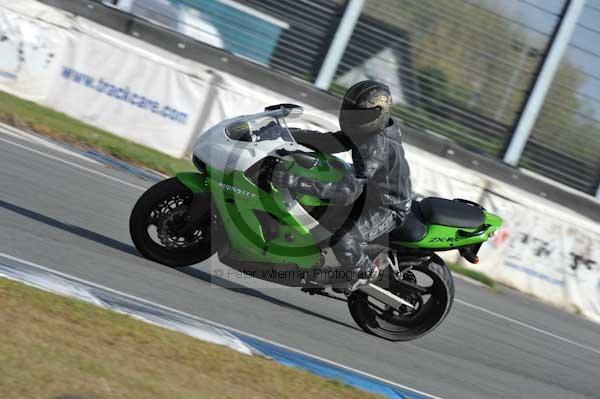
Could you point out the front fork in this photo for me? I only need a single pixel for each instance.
(194, 214)
(197, 183)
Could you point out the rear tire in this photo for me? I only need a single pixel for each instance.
(427, 317)
(163, 206)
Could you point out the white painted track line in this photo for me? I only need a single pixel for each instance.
(528, 326)
(75, 165)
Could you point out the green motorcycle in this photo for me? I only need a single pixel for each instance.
(229, 207)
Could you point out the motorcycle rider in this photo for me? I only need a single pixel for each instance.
(379, 181)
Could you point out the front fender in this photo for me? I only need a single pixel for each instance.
(196, 182)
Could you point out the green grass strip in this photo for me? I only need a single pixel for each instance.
(30, 116)
(474, 274)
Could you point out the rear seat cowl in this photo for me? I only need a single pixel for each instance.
(451, 213)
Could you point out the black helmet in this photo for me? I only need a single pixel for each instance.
(365, 108)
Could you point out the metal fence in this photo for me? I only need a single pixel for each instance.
(565, 141)
(287, 35)
(458, 68)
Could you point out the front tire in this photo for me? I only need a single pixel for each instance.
(432, 304)
(157, 220)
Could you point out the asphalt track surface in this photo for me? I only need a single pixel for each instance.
(70, 214)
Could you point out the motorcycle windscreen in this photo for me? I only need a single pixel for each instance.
(259, 129)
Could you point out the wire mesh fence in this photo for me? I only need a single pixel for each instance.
(565, 141)
(459, 68)
(286, 35)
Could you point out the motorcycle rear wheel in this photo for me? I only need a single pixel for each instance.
(431, 306)
(157, 218)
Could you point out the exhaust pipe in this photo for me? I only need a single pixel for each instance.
(383, 295)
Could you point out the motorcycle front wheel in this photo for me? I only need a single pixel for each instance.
(428, 287)
(158, 228)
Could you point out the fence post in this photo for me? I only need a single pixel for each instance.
(551, 62)
(339, 43)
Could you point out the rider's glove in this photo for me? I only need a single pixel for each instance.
(284, 179)
(296, 184)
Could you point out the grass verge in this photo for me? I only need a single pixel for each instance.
(54, 347)
(474, 274)
(30, 116)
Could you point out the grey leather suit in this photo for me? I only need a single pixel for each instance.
(379, 184)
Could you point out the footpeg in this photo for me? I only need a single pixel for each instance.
(363, 281)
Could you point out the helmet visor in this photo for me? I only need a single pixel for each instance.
(359, 117)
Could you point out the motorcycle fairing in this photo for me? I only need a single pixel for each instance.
(240, 203)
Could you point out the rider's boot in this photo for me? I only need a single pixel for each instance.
(345, 279)
(367, 272)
